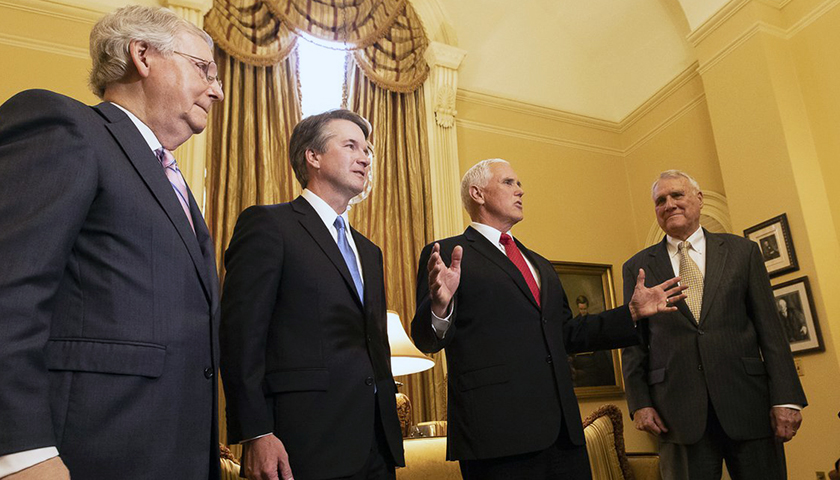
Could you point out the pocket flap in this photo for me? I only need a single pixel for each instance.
(106, 356)
(484, 376)
(298, 380)
(754, 366)
(656, 376)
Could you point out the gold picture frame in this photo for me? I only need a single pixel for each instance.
(595, 374)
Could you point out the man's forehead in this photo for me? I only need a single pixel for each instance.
(671, 185)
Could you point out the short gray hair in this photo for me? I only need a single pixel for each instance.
(674, 174)
(112, 35)
(478, 175)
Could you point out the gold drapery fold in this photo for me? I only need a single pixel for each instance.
(397, 213)
(248, 31)
(248, 159)
(386, 36)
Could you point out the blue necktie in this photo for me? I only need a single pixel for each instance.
(349, 257)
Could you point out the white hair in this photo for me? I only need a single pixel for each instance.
(674, 174)
(112, 35)
(478, 175)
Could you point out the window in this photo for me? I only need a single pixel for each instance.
(321, 74)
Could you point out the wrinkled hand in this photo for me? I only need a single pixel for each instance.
(647, 419)
(657, 299)
(443, 281)
(265, 458)
(785, 422)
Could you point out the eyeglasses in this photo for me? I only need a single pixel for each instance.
(208, 69)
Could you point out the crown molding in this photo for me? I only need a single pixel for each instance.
(524, 135)
(42, 46)
(682, 78)
(87, 12)
(696, 101)
(715, 21)
(516, 106)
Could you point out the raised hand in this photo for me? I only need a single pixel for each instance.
(647, 419)
(265, 458)
(657, 299)
(443, 280)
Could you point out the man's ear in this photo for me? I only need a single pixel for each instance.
(477, 195)
(312, 159)
(139, 51)
(700, 197)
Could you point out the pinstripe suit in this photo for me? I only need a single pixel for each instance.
(736, 358)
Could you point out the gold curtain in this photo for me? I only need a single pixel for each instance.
(397, 213)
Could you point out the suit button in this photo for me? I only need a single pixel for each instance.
(700, 332)
(208, 373)
(544, 320)
(369, 381)
(700, 367)
(548, 359)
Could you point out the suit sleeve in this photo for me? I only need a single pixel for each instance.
(49, 181)
(254, 265)
(635, 359)
(785, 387)
(422, 332)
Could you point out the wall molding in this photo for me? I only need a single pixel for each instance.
(88, 13)
(525, 135)
(684, 110)
(670, 88)
(715, 21)
(42, 46)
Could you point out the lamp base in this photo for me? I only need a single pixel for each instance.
(404, 413)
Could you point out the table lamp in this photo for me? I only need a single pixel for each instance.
(405, 360)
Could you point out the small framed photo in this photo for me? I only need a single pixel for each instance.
(773, 239)
(589, 288)
(798, 316)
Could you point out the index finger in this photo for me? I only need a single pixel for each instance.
(670, 283)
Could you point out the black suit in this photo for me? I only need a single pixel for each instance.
(301, 356)
(510, 386)
(108, 299)
(737, 359)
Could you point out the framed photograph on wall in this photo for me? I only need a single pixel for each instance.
(774, 241)
(589, 288)
(798, 316)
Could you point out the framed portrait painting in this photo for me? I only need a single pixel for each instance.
(798, 316)
(774, 241)
(589, 288)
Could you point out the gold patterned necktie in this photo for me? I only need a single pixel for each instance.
(692, 278)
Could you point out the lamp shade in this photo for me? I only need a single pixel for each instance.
(405, 358)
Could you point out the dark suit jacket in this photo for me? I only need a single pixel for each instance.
(510, 385)
(108, 300)
(738, 356)
(301, 356)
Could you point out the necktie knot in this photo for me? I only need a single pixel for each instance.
(505, 240)
(339, 223)
(684, 246)
(166, 158)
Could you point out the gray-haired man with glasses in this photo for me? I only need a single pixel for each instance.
(108, 291)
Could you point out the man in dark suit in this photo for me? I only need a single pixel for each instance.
(108, 290)
(305, 357)
(714, 380)
(503, 317)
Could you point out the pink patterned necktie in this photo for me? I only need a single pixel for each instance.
(516, 257)
(170, 167)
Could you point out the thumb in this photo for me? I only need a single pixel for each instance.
(640, 280)
(457, 255)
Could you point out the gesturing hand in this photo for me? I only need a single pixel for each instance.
(443, 280)
(657, 299)
(265, 458)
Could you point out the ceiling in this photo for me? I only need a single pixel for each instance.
(598, 58)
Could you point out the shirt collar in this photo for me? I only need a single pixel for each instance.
(323, 209)
(696, 239)
(147, 133)
(489, 233)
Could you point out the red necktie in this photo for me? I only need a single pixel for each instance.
(516, 257)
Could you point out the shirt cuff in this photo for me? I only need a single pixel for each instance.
(789, 405)
(15, 462)
(441, 325)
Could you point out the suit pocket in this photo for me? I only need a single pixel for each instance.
(303, 380)
(656, 376)
(754, 366)
(484, 376)
(105, 356)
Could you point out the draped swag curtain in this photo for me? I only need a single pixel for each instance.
(248, 156)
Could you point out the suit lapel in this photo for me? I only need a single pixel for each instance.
(312, 223)
(662, 269)
(492, 253)
(150, 170)
(716, 253)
